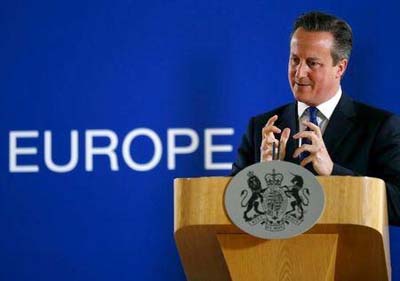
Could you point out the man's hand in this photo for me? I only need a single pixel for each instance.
(319, 156)
(268, 138)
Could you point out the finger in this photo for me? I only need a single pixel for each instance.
(311, 135)
(266, 155)
(270, 129)
(271, 120)
(283, 141)
(306, 160)
(267, 142)
(305, 147)
(285, 136)
(303, 134)
(313, 127)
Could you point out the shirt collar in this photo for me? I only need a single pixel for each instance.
(326, 108)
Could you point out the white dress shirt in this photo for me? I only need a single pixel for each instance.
(324, 112)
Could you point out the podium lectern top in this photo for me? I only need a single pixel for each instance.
(350, 241)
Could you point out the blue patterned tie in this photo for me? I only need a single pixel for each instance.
(312, 114)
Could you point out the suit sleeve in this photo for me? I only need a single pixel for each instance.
(246, 151)
(342, 171)
(385, 164)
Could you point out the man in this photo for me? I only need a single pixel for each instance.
(325, 130)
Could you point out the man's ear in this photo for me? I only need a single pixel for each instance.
(342, 65)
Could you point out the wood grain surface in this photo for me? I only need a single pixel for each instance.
(349, 242)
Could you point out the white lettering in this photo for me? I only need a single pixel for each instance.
(48, 149)
(109, 150)
(14, 151)
(105, 142)
(173, 150)
(126, 153)
(209, 148)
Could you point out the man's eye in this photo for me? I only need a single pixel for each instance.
(295, 60)
(313, 64)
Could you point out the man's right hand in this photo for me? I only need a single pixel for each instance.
(268, 138)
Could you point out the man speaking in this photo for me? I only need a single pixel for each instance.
(324, 129)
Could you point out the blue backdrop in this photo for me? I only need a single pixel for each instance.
(116, 80)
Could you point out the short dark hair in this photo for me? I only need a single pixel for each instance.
(341, 31)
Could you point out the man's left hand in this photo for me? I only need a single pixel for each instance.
(319, 156)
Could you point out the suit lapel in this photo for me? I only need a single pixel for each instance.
(340, 124)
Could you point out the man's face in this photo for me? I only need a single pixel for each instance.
(312, 76)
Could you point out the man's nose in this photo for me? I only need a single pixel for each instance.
(302, 70)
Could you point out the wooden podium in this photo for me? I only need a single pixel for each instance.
(350, 242)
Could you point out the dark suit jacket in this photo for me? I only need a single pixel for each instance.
(361, 140)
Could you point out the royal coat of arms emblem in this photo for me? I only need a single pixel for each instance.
(274, 200)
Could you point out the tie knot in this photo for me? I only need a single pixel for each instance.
(312, 111)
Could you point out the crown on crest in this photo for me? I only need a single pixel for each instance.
(274, 179)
